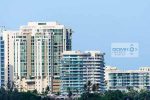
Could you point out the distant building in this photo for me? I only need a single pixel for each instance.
(2, 72)
(78, 68)
(35, 52)
(2, 61)
(125, 79)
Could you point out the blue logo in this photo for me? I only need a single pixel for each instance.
(124, 50)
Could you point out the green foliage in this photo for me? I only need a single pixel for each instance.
(58, 93)
(117, 95)
(69, 92)
(91, 96)
(113, 95)
(34, 91)
(15, 95)
(47, 90)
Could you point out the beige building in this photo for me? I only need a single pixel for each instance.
(31, 85)
(35, 51)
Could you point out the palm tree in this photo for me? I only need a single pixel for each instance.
(34, 91)
(69, 93)
(58, 93)
(12, 86)
(77, 91)
(89, 86)
(94, 88)
(85, 88)
(47, 90)
(97, 87)
(8, 85)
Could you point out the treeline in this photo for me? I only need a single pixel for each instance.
(117, 95)
(91, 93)
(15, 95)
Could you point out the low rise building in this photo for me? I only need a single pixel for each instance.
(32, 84)
(125, 79)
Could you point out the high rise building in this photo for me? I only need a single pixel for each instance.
(2, 75)
(2, 72)
(78, 68)
(34, 53)
(9, 57)
(124, 79)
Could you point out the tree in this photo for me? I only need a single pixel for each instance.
(34, 91)
(133, 94)
(77, 91)
(47, 90)
(144, 95)
(87, 90)
(3, 94)
(58, 93)
(15, 95)
(8, 85)
(69, 93)
(118, 95)
(113, 95)
(89, 86)
(12, 86)
(91, 96)
(94, 88)
(97, 87)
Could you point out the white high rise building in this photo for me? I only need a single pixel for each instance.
(33, 53)
(78, 68)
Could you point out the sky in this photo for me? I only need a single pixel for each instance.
(96, 23)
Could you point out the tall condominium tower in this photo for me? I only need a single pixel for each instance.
(78, 68)
(2, 75)
(2, 72)
(34, 53)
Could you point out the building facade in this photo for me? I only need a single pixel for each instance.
(125, 79)
(78, 68)
(9, 57)
(35, 51)
(2, 72)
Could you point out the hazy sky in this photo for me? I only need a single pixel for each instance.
(96, 23)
